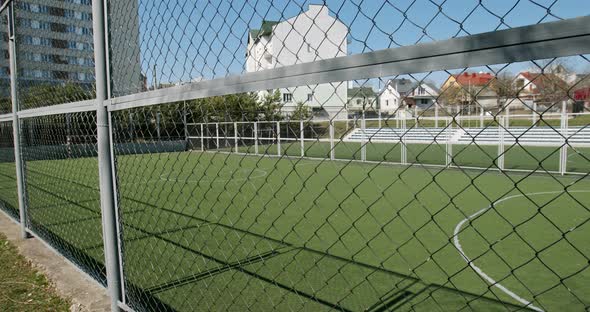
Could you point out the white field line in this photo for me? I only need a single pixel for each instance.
(479, 271)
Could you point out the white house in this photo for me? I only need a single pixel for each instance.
(311, 36)
(403, 94)
(362, 99)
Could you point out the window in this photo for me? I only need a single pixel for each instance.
(359, 102)
(287, 97)
(310, 97)
(520, 83)
(386, 102)
(308, 47)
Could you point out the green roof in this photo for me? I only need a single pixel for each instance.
(361, 92)
(265, 29)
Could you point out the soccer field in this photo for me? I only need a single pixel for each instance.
(230, 232)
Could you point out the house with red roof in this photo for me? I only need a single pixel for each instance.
(541, 88)
(582, 98)
(475, 84)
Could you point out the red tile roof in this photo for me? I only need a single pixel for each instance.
(539, 81)
(474, 79)
(582, 94)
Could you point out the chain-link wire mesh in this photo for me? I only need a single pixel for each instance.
(61, 174)
(294, 198)
(9, 194)
(450, 189)
(5, 102)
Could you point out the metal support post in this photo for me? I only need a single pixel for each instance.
(256, 138)
(435, 114)
(105, 160)
(534, 114)
(217, 135)
(507, 121)
(69, 135)
(202, 138)
(379, 117)
(363, 138)
(302, 137)
(449, 147)
(184, 123)
(481, 116)
(131, 128)
(158, 125)
(416, 115)
(404, 150)
(278, 138)
(501, 148)
(18, 160)
(332, 152)
(564, 132)
(236, 137)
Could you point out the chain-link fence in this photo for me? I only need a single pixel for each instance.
(286, 155)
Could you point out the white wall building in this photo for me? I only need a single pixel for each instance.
(313, 35)
(403, 95)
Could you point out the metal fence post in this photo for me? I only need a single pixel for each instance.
(217, 135)
(332, 152)
(507, 112)
(435, 114)
(534, 114)
(481, 117)
(184, 122)
(449, 147)
(564, 133)
(302, 137)
(202, 138)
(404, 151)
(158, 132)
(256, 138)
(501, 125)
(22, 199)
(364, 138)
(105, 160)
(236, 137)
(278, 138)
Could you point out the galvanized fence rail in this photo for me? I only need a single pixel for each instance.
(281, 155)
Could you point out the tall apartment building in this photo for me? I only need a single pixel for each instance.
(312, 35)
(55, 43)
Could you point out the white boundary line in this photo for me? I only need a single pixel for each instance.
(479, 271)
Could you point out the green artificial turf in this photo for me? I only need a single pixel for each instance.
(472, 155)
(234, 232)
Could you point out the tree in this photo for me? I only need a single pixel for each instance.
(302, 112)
(504, 88)
(48, 94)
(458, 96)
(270, 106)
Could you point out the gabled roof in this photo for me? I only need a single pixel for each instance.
(432, 86)
(402, 85)
(365, 92)
(473, 79)
(265, 29)
(540, 81)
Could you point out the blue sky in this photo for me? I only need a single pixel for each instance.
(190, 39)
